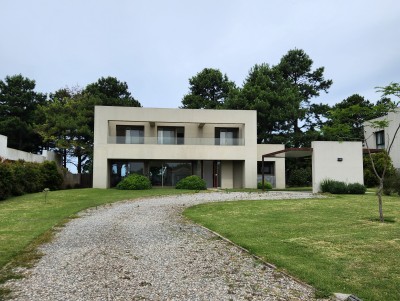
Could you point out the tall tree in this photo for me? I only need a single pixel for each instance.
(296, 69)
(208, 90)
(69, 117)
(68, 126)
(18, 104)
(282, 96)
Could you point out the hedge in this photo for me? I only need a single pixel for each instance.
(337, 187)
(20, 177)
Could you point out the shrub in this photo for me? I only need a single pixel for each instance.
(391, 184)
(337, 187)
(20, 177)
(192, 183)
(52, 177)
(356, 188)
(267, 185)
(380, 159)
(300, 177)
(6, 180)
(134, 182)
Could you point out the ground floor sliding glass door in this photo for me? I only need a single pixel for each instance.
(160, 172)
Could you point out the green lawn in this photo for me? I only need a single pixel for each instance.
(334, 244)
(27, 221)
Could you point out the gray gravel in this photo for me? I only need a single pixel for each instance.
(145, 250)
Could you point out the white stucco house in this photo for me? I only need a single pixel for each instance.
(380, 138)
(167, 145)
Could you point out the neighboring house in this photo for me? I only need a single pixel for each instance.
(380, 138)
(167, 145)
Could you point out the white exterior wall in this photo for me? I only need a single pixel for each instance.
(15, 155)
(325, 164)
(107, 117)
(394, 121)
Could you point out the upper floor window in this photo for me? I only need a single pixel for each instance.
(380, 139)
(170, 135)
(127, 134)
(226, 136)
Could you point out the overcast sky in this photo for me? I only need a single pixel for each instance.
(156, 46)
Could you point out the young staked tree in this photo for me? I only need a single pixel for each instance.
(392, 89)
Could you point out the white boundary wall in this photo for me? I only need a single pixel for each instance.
(15, 155)
(340, 161)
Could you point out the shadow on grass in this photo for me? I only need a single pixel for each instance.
(388, 219)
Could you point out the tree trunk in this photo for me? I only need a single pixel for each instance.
(379, 194)
(64, 158)
(79, 167)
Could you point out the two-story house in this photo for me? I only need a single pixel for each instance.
(167, 145)
(380, 138)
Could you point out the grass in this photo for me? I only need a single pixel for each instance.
(334, 244)
(29, 220)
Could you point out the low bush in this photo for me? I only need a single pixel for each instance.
(192, 183)
(267, 185)
(356, 188)
(134, 182)
(337, 187)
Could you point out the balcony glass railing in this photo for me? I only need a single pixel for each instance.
(176, 141)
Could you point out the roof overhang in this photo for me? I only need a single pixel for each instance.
(298, 152)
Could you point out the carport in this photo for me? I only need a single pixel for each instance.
(336, 160)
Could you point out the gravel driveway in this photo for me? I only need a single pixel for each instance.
(145, 250)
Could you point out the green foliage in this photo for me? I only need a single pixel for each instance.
(111, 92)
(18, 112)
(6, 180)
(134, 182)
(281, 96)
(20, 177)
(391, 184)
(337, 187)
(69, 117)
(192, 183)
(52, 177)
(267, 185)
(381, 160)
(208, 90)
(300, 177)
(356, 188)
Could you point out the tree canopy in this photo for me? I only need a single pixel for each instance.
(208, 90)
(282, 95)
(18, 104)
(69, 117)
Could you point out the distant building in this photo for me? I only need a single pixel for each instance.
(380, 138)
(167, 145)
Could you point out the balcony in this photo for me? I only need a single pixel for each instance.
(176, 141)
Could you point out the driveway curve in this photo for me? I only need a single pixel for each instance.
(145, 250)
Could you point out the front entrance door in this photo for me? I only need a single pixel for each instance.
(216, 174)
